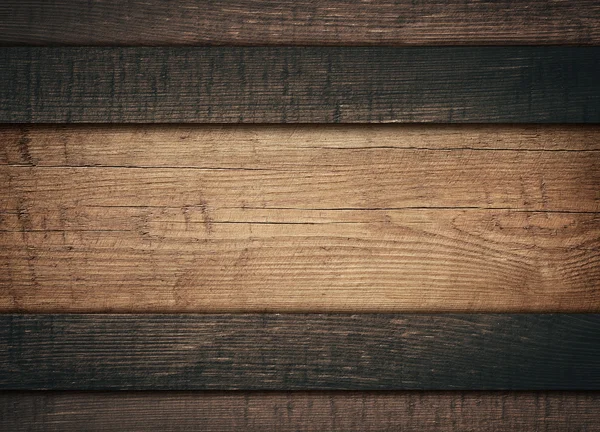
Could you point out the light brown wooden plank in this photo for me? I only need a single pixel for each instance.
(300, 411)
(165, 259)
(410, 218)
(255, 146)
(365, 178)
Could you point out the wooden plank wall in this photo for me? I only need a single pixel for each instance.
(430, 254)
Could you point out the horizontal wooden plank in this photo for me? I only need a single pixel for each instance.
(325, 179)
(295, 352)
(300, 85)
(129, 259)
(266, 146)
(388, 218)
(293, 22)
(299, 411)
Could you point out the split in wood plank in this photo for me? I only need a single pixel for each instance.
(300, 219)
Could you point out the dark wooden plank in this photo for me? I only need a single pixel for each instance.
(299, 22)
(300, 411)
(295, 352)
(300, 85)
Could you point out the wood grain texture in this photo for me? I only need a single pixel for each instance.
(299, 22)
(300, 85)
(296, 352)
(260, 146)
(300, 219)
(300, 411)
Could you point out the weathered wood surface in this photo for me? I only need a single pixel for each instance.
(299, 22)
(300, 85)
(295, 352)
(299, 411)
(299, 219)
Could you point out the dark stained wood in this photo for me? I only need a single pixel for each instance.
(299, 411)
(299, 22)
(300, 85)
(295, 352)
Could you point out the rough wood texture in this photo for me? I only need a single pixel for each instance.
(300, 411)
(299, 219)
(304, 219)
(300, 85)
(299, 22)
(295, 352)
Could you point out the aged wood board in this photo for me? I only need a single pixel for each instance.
(300, 352)
(299, 22)
(299, 411)
(381, 218)
(300, 85)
